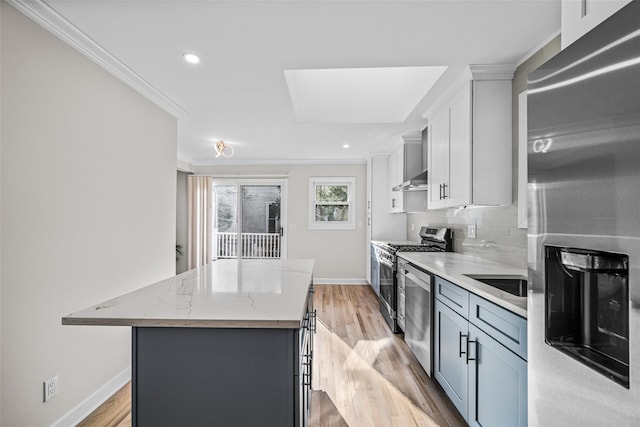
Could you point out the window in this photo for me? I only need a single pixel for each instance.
(332, 203)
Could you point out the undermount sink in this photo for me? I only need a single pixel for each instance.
(513, 285)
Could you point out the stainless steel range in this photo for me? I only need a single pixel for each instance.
(432, 240)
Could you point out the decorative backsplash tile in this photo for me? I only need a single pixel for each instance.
(498, 237)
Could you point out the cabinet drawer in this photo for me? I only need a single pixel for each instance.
(453, 296)
(504, 326)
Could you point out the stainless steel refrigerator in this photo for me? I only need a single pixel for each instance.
(584, 230)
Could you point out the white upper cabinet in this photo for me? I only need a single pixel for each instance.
(578, 17)
(470, 145)
(457, 191)
(396, 166)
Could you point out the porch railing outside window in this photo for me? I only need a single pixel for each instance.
(254, 245)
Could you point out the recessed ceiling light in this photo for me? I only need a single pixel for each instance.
(191, 58)
(345, 146)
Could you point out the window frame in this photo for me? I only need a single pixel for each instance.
(350, 182)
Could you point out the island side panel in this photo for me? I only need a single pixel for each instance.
(207, 376)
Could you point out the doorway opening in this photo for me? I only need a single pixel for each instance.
(249, 218)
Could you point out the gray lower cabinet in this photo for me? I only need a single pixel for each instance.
(497, 383)
(450, 365)
(480, 357)
(222, 376)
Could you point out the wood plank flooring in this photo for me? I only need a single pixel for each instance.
(363, 374)
(115, 412)
(367, 372)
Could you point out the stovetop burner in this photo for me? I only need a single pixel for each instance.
(432, 240)
(419, 248)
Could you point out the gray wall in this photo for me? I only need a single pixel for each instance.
(182, 222)
(88, 180)
(1, 316)
(339, 254)
(497, 226)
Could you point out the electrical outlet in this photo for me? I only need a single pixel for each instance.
(50, 388)
(413, 227)
(471, 231)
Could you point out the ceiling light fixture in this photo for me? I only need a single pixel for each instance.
(345, 146)
(191, 58)
(223, 149)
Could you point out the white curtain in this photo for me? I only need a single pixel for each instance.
(199, 250)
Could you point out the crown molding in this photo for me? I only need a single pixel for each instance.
(470, 73)
(412, 139)
(48, 18)
(259, 162)
(492, 72)
(183, 166)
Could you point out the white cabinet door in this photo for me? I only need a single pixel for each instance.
(470, 146)
(458, 191)
(578, 17)
(450, 152)
(438, 171)
(396, 166)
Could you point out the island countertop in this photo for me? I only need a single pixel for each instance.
(455, 267)
(247, 293)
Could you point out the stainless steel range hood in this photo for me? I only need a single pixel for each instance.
(417, 183)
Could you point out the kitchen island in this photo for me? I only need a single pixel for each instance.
(228, 344)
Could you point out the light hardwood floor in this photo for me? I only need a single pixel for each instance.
(363, 375)
(369, 373)
(115, 412)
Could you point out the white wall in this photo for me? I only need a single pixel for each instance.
(339, 255)
(88, 193)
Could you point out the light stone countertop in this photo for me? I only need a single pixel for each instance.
(454, 267)
(246, 293)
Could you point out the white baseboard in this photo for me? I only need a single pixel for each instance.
(332, 281)
(91, 403)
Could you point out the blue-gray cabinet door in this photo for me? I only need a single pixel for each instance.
(450, 364)
(497, 383)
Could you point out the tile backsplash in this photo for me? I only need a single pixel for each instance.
(498, 237)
